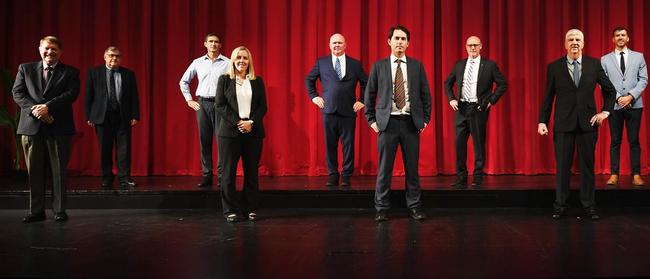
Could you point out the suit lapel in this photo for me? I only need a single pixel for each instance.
(612, 58)
(57, 72)
(39, 75)
(232, 95)
(411, 72)
(480, 73)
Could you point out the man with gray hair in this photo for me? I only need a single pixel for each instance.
(570, 84)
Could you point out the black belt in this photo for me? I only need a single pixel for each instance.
(469, 103)
(206, 99)
(400, 116)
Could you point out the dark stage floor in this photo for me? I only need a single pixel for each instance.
(326, 243)
(163, 192)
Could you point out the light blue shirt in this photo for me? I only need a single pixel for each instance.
(207, 72)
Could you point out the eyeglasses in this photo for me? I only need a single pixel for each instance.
(473, 45)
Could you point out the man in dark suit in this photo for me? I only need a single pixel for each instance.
(339, 75)
(474, 77)
(570, 84)
(45, 91)
(112, 107)
(398, 108)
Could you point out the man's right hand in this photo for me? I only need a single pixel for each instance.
(454, 104)
(542, 129)
(374, 127)
(194, 105)
(319, 102)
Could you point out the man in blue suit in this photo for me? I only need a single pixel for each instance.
(339, 75)
(627, 70)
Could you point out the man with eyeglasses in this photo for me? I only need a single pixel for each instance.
(474, 78)
(112, 108)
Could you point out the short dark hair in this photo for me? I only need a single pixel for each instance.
(620, 28)
(51, 40)
(212, 35)
(399, 27)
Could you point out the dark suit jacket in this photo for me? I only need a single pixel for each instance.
(58, 95)
(339, 95)
(227, 107)
(96, 100)
(574, 106)
(379, 93)
(488, 74)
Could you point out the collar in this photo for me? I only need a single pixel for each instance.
(625, 50)
(53, 66)
(394, 58)
(342, 57)
(219, 58)
(570, 61)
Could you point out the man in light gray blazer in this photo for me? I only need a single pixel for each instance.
(398, 108)
(627, 70)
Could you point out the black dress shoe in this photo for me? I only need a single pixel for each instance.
(345, 182)
(591, 213)
(332, 181)
(417, 214)
(61, 217)
(231, 218)
(381, 216)
(31, 218)
(128, 182)
(558, 213)
(477, 182)
(107, 184)
(206, 182)
(460, 183)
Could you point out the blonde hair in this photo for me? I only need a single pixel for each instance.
(51, 40)
(233, 71)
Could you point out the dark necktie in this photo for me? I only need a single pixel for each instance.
(622, 63)
(576, 72)
(400, 97)
(112, 93)
(47, 75)
(337, 68)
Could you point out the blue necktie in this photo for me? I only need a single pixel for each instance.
(576, 72)
(337, 68)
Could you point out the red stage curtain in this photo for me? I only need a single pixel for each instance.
(160, 38)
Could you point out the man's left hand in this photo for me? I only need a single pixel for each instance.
(40, 110)
(134, 122)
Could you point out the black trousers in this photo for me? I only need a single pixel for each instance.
(402, 133)
(208, 121)
(339, 127)
(41, 151)
(468, 120)
(565, 144)
(249, 150)
(631, 118)
(114, 132)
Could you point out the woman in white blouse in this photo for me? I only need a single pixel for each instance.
(241, 103)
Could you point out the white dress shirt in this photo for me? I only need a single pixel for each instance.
(342, 59)
(244, 97)
(473, 95)
(393, 69)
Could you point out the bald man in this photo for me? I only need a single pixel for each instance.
(339, 75)
(474, 78)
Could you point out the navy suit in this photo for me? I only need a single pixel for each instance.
(339, 117)
(46, 143)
